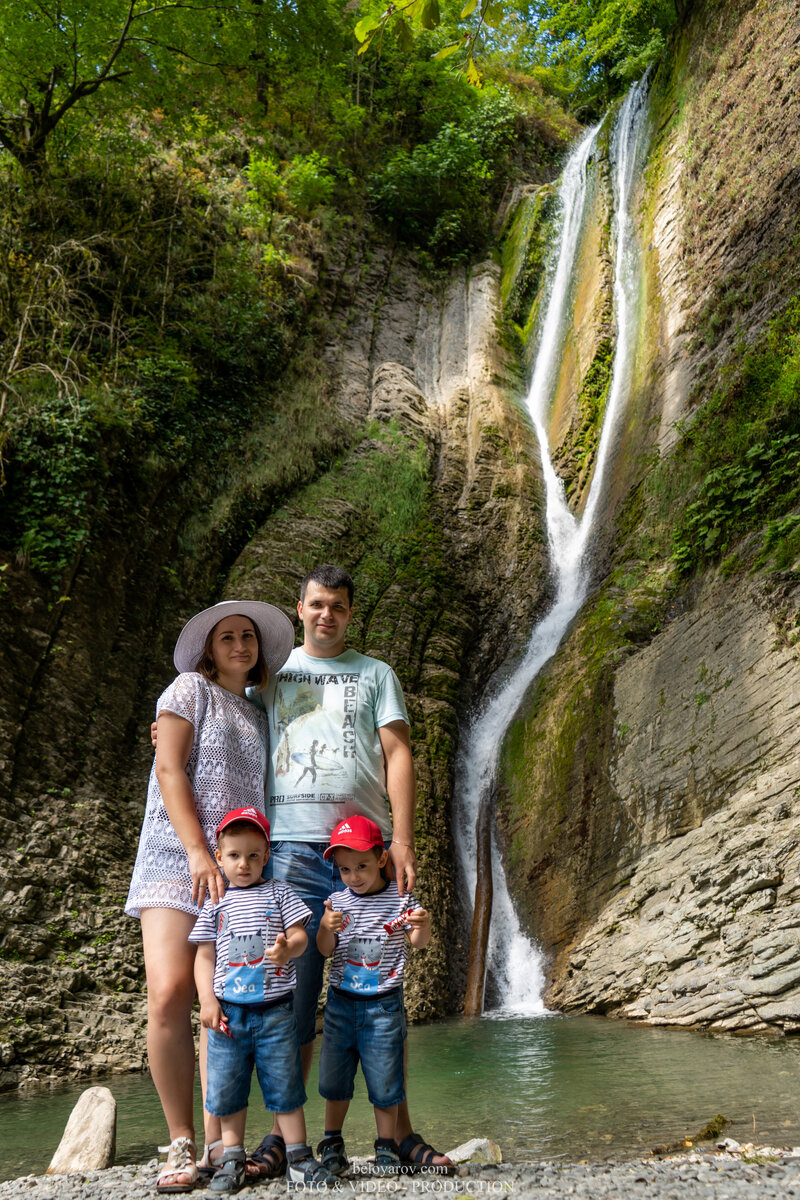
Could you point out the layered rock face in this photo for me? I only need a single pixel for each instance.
(649, 806)
(704, 929)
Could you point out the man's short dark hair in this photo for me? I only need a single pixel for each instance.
(329, 576)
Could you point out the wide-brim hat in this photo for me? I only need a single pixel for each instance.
(274, 627)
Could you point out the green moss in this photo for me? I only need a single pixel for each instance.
(524, 254)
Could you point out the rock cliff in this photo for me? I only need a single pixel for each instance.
(649, 806)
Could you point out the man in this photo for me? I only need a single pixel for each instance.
(341, 716)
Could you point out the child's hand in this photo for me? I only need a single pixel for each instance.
(330, 920)
(280, 953)
(211, 1014)
(418, 918)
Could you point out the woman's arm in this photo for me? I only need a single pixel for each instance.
(172, 754)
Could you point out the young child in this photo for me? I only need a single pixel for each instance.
(245, 978)
(365, 927)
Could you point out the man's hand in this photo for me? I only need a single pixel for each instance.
(154, 734)
(404, 866)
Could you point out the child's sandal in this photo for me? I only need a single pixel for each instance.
(387, 1157)
(231, 1175)
(331, 1155)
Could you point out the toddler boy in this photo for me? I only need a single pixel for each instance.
(364, 927)
(245, 977)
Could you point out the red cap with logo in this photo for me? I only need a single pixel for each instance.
(355, 833)
(252, 815)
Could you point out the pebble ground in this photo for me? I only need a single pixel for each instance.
(689, 1177)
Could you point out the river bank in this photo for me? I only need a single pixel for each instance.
(757, 1175)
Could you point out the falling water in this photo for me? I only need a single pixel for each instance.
(513, 961)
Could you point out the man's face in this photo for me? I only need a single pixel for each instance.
(325, 613)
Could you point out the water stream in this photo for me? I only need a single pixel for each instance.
(513, 962)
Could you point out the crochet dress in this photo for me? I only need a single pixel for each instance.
(226, 769)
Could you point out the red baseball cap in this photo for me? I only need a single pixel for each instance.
(245, 814)
(355, 833)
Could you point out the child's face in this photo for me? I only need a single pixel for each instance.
(360, 869)
(242, 856)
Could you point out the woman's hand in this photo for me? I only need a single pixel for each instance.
(208, 882)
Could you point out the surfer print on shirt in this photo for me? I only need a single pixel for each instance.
(315, 717)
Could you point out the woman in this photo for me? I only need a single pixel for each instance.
(211, 757)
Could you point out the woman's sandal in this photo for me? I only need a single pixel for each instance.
(208, 1164)
(417, 1155)
(268, 1161)
(181, 1155)
(231, 1175)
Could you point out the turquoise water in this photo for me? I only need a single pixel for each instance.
(543, 1087)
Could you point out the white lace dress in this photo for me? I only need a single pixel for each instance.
(226, 768)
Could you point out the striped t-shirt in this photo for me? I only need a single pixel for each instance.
(243, 924)
(369, 958)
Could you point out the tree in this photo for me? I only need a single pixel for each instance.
(54, 56)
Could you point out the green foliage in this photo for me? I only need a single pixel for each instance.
(140, 321)
(746, 442)
(435, 195)
(308, 182)
(57, 449)
(56, 63)
(587, 51)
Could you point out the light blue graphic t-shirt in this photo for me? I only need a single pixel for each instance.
(326, 761)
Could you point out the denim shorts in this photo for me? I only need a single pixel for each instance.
(265, 1038)
(369, 1029)
(302, 866)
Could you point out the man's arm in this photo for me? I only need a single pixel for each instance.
(402, 788)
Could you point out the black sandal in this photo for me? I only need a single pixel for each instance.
(417, 1155)
(269, 1159)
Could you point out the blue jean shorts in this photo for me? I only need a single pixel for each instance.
(265, 1038)
(302, 866)
(369, 1029)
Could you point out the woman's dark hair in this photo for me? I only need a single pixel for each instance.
(259, 676)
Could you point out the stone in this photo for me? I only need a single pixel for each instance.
(90, 1138)
(477, 1150)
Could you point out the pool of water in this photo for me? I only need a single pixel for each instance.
(543, 1087)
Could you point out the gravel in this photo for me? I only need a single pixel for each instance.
(696, 1176)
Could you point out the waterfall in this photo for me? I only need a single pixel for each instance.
(513, 961)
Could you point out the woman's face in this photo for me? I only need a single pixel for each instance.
(234, 647)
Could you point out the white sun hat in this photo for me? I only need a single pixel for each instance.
(275, 628)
